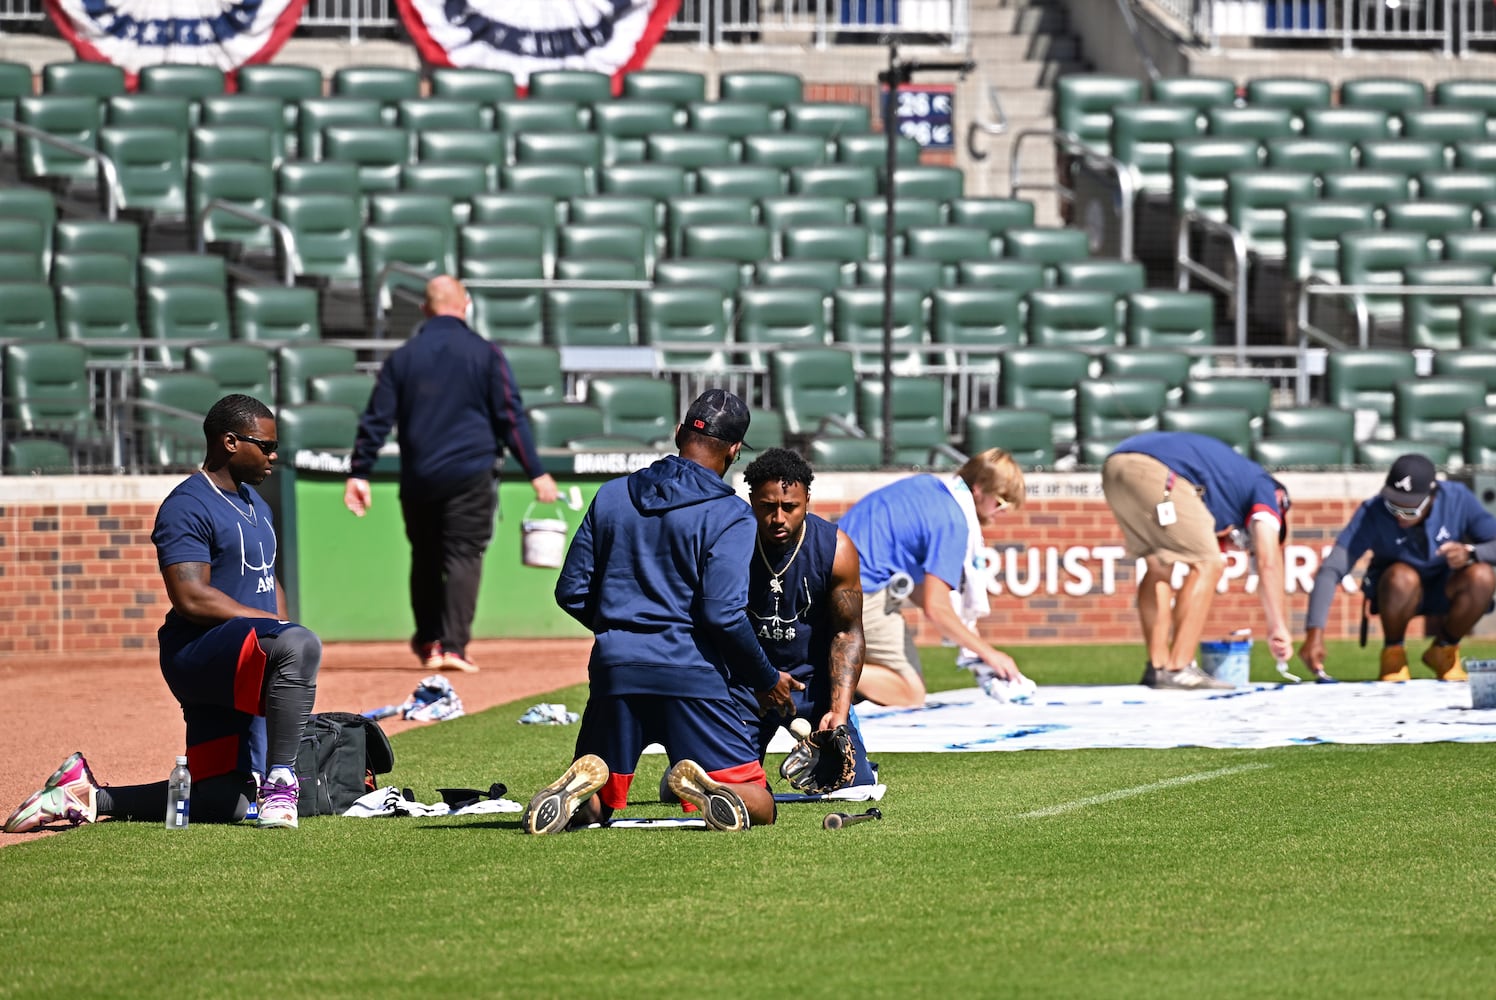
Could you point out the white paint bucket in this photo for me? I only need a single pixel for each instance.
(542, 540)
(1229, 660)
(1482, 683)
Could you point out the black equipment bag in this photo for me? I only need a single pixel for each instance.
(340, 755)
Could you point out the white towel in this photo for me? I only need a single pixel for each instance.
(970, 599)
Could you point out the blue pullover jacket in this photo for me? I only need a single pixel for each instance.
(452, 395)
(658, 571)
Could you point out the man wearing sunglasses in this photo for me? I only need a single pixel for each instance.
(1432, 546)
(1186, 498)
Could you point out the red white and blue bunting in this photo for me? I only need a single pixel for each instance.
(134, 34)
(527, 36)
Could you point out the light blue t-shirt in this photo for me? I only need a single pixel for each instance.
(913, 526)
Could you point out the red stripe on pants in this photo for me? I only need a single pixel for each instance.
(215, 757)
(249, 677)
(615, 791)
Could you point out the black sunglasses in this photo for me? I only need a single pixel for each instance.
(268, 447)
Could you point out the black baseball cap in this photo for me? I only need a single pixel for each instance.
(719, 414)
(1410, 481)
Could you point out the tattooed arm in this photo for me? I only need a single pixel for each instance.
(845, 662)
(197, 600)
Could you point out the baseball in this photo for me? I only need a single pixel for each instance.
(800, 728)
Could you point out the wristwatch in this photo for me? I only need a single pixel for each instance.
(1470, 551)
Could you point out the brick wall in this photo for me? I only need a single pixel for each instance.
(79, 575)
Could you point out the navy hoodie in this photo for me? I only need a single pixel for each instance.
(658, 571)
(452, 395)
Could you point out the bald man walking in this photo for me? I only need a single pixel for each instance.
(453, 399)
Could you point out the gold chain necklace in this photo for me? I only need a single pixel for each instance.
(774, 585)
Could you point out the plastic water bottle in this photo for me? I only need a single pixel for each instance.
(178, 796)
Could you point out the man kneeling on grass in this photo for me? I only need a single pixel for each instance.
(658, 572)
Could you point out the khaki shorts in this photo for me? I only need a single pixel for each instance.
(1134, 487)
(886, 637)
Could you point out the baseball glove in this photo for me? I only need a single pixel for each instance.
(822, 762)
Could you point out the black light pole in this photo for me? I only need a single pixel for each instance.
(897, 74)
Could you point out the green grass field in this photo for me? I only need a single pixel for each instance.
(1325, 871)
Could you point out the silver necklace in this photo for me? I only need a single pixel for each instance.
(253, 517)
(775, 586)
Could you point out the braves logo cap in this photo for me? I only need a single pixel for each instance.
(719, 414)
(1410, 481)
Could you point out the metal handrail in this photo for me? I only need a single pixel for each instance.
(290, 257)
(1068, 142)
(1319, 286)
(1186, 267)
(1124, 7)
(111, 186)
(998, 127)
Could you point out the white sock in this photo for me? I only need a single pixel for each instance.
(281, 775)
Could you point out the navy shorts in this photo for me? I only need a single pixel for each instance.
(219, 679)
(810, 711)
(1434, 601)
(618, 727)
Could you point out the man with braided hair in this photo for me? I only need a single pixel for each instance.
(805, 603)
(246, 677)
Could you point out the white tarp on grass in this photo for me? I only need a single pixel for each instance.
(1262, 715)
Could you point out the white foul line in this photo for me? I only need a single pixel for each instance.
(1127, 793)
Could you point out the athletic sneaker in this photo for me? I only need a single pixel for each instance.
(278, 805)
(1444, 661)
(551, 809)
(1150, 674)
(429, 653)
(457, 661)
(71, 794)
(720, 806)
(1191, 678)
(1394, 665)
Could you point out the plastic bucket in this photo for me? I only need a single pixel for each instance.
(542, 540)
(1482, 683)
(1229, 660)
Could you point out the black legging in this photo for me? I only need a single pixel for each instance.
(224, 799)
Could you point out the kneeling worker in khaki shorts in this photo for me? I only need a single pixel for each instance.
(1182, 497)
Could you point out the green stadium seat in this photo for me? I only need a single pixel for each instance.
(724, 275)
(517, 209)
(427, 249)
(1366, 380)
(289, 84)
(314, 115)
(1045, 379)
(460, 182)
(296, 364)
(1143, 137)
(949, 245)
(1224, 423)
(27, 312)
(243, 368)
(922, 276)
(156, 110)
(1381, 453)
(769, 319)
(578, 85)
(89, 312)
(98, 80)
(825, 276)
(325, 427)
(599, 269)
(987, 319)
(1252, 395)
(1108, 411)
(857, 322)
(1317, 423)
(1295, 94)
(38, 457)
(785, 212)
(415, 208)
(487, 87)
(741, 180)
(845, 244)
(556, 425)
(1257, 203)
(589, 318)
(812, 388)
(1312, 232)
(537, 373)
(258, 145)
(1478, 323)
(626, 124)
(908, 213)
(1049, 247)
(776, 89)
(736, 120)
(1084, 103)
(170, 419)
(151, 166)
(1098, 274)
(1432, 219)
(66, 116)
(784, 149)
(844, 451)
(679, 87)
(685, 211)
(1072, 317)
(847, 181)
(1172, 368)
(275, 314)
(636, 406)
(686, 315)
(183, 269)
(928, 181)
(995, 215)
(1027, 435)
(325, 229)
(379, 151)
(15, 83)
(82, 267)
(176, 315)
(828, 119)
(1347, 124)
(246, 184)
(1472, 363)
(1317, 156)
(312, 177)
(1169, 319)
(350, 389)
(870, 149)
(1393, 95)
(1021, 276)
(95, 235)
(1444, 124)
(27, 267)
(1256, 122)
(423, 114)
(560, 181)
(1406, 155)
(22, 204)
(1201, 171)
(1301, 453)
(512, 315)
(918, 412)
(1432, 409)
(1480, 438)
(1475, 155)
(46, 392)
(470, 146)
(689, 150)
(1199, 92)
(1378, 257)
(643, 213)
(1431, 321)
(584, 149)
(1469, 187)
(651, 180)
(740, 242)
